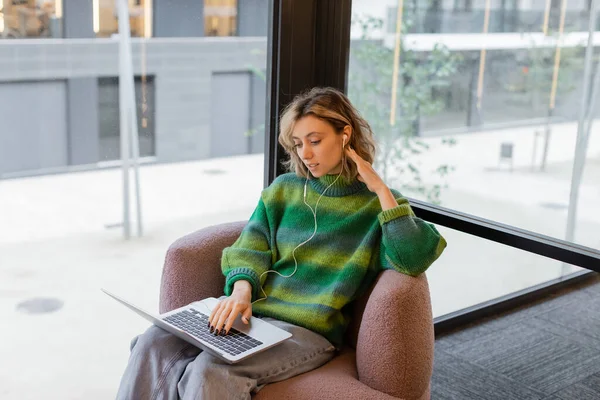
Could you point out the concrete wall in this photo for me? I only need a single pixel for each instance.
(253, 17)
(78, 19)
(82, 120)
(182, 70)
(33, 118)
(178, 18)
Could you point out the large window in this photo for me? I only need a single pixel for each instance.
(220, 17)
(473, 271)
(20, 19)
(199, 108)
(109, 118)
(106, 21)
(173, 19)
(468, 16)
(484, 123)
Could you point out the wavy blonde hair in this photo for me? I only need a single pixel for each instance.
(332, 106)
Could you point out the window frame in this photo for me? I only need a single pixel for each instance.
(309, 45)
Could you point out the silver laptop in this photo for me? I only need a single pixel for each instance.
(190, 323)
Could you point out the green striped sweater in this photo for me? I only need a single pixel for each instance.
(355, 240)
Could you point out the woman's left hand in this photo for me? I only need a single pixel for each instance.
(366, 173)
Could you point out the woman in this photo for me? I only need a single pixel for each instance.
(316, 241)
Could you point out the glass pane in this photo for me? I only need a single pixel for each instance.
(109, 118)
(485, 123)
(468, 16)
(473, 270)
(220, 17)
(22, 19)
(106, 22)
(199, 106)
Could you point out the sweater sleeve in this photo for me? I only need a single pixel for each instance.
(250, 255)
(409, 244)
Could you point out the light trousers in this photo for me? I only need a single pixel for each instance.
(163, 366)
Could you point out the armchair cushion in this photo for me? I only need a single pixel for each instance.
(335, 380)
(394, 351)
(391, 330)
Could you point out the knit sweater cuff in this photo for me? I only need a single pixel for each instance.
(401, 210)
(238, 274)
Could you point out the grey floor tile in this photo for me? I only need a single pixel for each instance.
(578, 392)
(497, 343)
(549, 366)
(587, 338)
(593, 382)
(444, 344)
(594, 285)
(538, 307)
(594, 290)
(547, 350)
(456, 379)
(509, 318)
(589, 386)
(534, 357)
(582, 316)
(463, 335)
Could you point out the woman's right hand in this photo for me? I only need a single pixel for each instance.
(222, 316)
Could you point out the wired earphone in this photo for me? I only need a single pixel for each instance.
(314, 213)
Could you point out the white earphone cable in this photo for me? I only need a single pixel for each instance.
(314, 213)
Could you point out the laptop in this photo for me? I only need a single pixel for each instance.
(190, 323)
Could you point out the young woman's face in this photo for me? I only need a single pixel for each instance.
(318, 146)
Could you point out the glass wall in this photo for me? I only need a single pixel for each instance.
(473, 271)
(484, 123)
(468, 16)
(200, 110)
(20, 19)
(106, 22)
(220, 17)
(109, 118)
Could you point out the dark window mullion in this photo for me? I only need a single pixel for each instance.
(512, 236)
(300, 33)
(333, 44)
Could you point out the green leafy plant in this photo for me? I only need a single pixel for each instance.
(420, 76)
(535, 75)
(261, 74)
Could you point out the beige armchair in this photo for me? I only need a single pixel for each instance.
(389, 350)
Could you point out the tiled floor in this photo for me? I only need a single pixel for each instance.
(546, 350)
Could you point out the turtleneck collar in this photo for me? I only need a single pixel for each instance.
(340, 188)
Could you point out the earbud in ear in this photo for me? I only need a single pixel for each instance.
(345, 138)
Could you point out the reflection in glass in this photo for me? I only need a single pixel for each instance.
(468, 16)
(475, 106)
(108, 109)
(61, 193)
(471, 121)
(21, 19)
(395, 87)
(220, 17)
(474, 270)
(106, 22)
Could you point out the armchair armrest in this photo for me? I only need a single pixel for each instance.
(192, 269)
(394, 350)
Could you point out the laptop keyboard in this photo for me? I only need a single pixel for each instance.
(196, 324)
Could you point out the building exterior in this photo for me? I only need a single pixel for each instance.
(199, 72)
(59, 95)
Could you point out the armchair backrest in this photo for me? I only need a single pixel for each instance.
(192, 265)
(401, 367)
